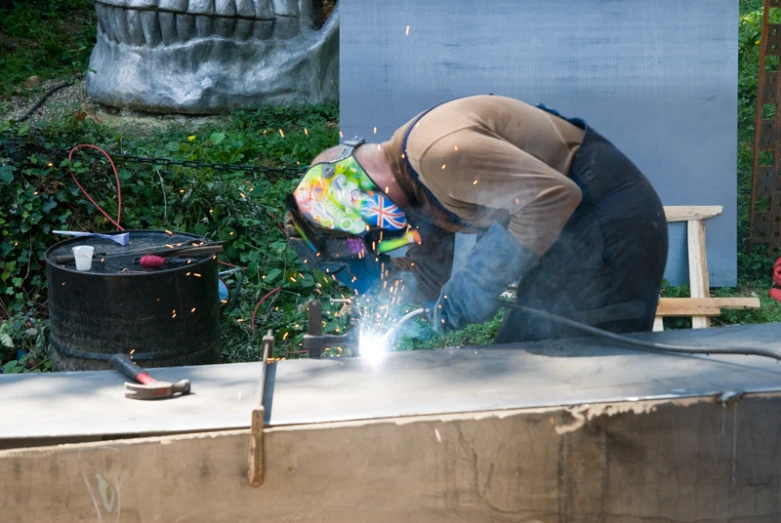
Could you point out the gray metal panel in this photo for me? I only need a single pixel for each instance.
(657, 78)
(557, 373)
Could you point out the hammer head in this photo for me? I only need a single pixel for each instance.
(157, 390)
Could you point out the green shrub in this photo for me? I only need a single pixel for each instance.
(38, 195)
(45, 38)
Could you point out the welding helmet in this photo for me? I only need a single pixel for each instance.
(343, 222)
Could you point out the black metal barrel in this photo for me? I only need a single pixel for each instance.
(165, 317)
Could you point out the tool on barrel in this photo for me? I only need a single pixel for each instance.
(147, 387)
(153, 261)
(122, 238)
(186, 251)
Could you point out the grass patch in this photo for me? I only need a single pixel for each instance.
(45, 39)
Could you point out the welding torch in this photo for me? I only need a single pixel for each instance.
(315, 341)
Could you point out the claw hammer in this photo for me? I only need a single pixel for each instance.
(147, 387)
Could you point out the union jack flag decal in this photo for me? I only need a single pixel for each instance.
(382, 213)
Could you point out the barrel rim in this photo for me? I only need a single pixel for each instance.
(50, 262)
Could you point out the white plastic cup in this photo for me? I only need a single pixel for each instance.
(83, 255)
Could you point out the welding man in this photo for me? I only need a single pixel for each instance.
(558, 211)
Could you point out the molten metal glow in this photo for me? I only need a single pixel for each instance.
(373, 345)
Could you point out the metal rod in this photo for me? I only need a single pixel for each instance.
(391, 334)
(267, 348)
(256, 461)
(315, 326)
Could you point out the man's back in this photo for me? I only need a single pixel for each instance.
(544, 136)
(491, 158)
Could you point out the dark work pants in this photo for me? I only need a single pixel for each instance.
(606, 267)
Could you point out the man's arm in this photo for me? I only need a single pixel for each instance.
(523, 202)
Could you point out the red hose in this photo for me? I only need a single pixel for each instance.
(116, 176)
(87, 110)
(279, 225)
(252, 321)
(231, 265)
(150, 261)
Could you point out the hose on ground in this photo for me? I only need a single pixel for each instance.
(648, 345)
(42, 99)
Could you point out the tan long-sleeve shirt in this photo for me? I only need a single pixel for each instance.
(491, 158)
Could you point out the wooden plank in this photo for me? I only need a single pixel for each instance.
(722, 303)
(698, 268)
(685, 213)
(673, 310)
(702, 306)
(627, 462)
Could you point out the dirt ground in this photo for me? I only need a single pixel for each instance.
(73, 100)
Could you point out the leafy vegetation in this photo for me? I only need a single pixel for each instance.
(38, 195)
(243, 209)
(45, 39)
(754, 269)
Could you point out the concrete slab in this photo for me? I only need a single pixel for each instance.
(560, 373)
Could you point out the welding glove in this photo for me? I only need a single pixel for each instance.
(472, 293)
